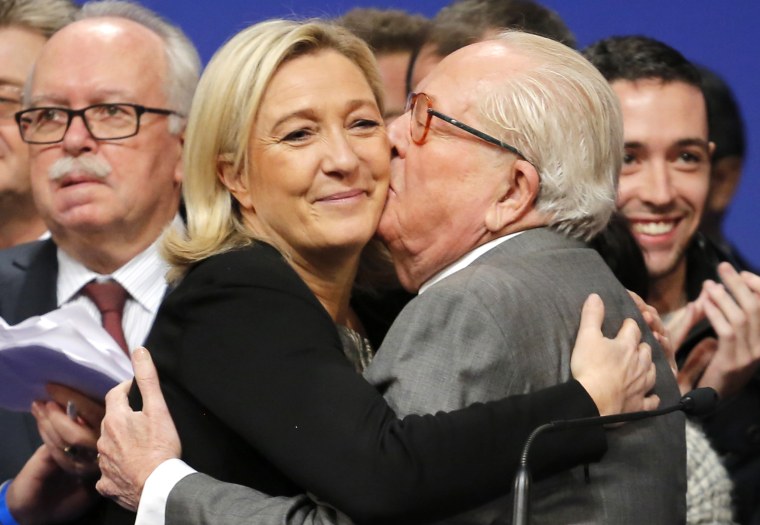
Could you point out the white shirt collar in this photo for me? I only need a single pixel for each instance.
(143, 277)
(466, 260)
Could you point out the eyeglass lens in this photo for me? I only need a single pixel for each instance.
(106, 121)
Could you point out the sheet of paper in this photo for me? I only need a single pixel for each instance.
(65, 346)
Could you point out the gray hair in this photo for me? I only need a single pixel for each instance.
(566, 120)
(183, 62)
(43, 16)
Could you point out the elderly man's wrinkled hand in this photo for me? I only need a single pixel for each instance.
(132, 444)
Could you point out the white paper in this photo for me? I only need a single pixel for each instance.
(66, 346)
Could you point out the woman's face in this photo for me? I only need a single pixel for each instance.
(319, 159)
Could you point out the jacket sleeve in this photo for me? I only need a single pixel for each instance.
(280, 380)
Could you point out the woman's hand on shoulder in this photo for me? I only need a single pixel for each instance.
(617, 373)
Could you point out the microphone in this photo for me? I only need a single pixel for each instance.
(698, 402)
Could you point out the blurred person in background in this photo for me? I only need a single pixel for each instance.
(465, 22)
(727, 131)
(25, 25)
(395, 37)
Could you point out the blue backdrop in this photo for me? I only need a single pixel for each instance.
(720, 35)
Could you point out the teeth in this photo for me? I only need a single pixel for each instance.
(653, 228)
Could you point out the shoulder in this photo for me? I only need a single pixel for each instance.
(536, 274)
(23, 255)
(236, 274)
(15, 261)
(28, 275)
(534, 260)
(258, 263)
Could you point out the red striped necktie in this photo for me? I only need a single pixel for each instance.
(109, 297)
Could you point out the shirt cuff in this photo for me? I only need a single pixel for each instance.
(5, 514)
(155, 494)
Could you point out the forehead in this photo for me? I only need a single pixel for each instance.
(100, 58)
(465, 75)
(657, 112)
(19, 48)
(308, 82)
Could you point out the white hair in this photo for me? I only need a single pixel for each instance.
(564, 117)
(183, 62)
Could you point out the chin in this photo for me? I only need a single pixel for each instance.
(350, 242)
(662, 266)
(84, 220)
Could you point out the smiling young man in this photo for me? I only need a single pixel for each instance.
(662, 192)
(665, 177)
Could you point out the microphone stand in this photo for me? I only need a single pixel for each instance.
(697, 402)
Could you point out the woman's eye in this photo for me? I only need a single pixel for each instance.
(629, 158)
(298, 135)
(366, 123)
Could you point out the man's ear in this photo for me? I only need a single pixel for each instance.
(518, 197)
(178, 171)
(234, 181)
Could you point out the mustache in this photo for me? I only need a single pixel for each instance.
(93, 166)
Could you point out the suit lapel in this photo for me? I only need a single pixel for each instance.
(38, 293)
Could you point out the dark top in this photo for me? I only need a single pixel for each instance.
(734, 427)
(253, 373)
(28, 274)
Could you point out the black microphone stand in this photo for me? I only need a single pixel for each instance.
(697, 402)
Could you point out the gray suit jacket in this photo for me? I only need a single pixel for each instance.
(507, 325)
(457, 344)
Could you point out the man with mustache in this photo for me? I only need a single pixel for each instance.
(664, 184)
(104, 116)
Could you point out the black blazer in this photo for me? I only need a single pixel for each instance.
(28, 275)
(262, 395)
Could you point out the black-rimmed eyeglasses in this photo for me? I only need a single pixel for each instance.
(422, 113)
(48, 125)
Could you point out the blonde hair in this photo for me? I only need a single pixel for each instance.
(566, 120)
(221, 120)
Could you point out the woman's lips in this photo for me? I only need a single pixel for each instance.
(342, 196)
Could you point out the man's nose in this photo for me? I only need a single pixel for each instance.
(657, 187)
(398, 134)
(78, 138)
